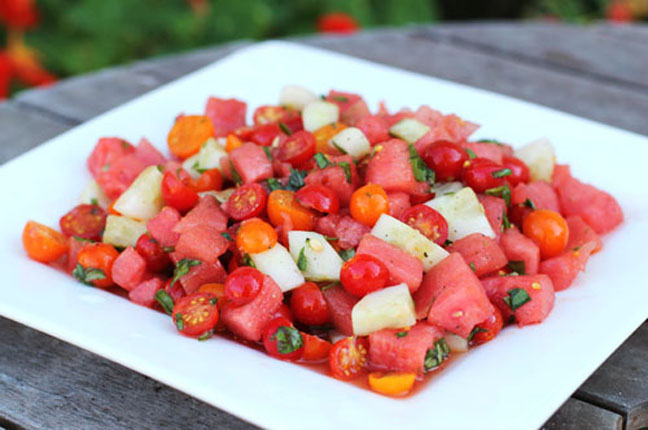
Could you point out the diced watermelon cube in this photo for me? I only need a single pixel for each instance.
(251, 163)
(428, 116)
(348, 231)
(495, 209)
(540, 193)
(518, 247)
(398, 203)
(340, 304)
(442, 127)
(206, 212)
(161, 226)
(106, 152)
(402, 266)
(333, 177)
(375, 128)
(225, 114)
(488, 150)
(564, 268)
(388, 352)
(205, 273)
(560, 173)
(144, 293)
(391, 168)
(203, 242)
(129, 269)
(115, 177)
(580, 233)
(74, 246)
(539, 288)
(248, 321)
(481, 253)
(352, 107)
(451, 297)
(149, 154)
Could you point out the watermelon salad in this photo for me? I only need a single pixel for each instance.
(377, 244)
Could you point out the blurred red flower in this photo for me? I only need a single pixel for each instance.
(619, 11)
(337, 22)
(18, 13)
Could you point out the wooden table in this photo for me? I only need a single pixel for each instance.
(599, 72)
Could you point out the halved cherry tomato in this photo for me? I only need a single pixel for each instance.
(482, 174)
(315, 348)
(488, 329)
(43, 243)
(85, 221)
(268, 114)
(428, 221)
(282, 340)
(265, 134)
(156, 259)
(548, 229)
(324, 134)
(176, 194)
(308, 305)
(283, 207)
(255, 235)
(318, 197)
(446, 159)
(95, 264)
(392, 383)
(232, 142)
(348, 358)
(519, 170)
(246, 201)
(188, 134)
(368, 203)
(209, 180)
(363, 274)
(283, 311)
(217, 290)
(243, 285)
(297, 148)
(196, 314)
(175, 291)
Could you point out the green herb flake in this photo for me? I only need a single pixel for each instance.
(86, 275)
(422, 173)
(447, 242)
(160, 168)
(168, 249)
(474, 331)
(196, 167)
(501, 173)
(329, 285)
(341, 99)
(213, 301)
(227, 236)
(496, 142)
(268, 153)
(285, 128)
(206, 335)
(94, 201)
(471, 154)
(331, 238)
(302, 263)
(402, 334)
(165, 301)
(288, 339)
(347, 254)
(321, 160)
(81, 239)
(504, 192)
(296, 179)
(436, 355)
(179, 322)
(105, 167)
(236, 177)
(247, 261)
(517, 266)
(516, 297)
(472, 267)
(182, 268)
(506, 224)
(529, 203)
(346, 167)
(273, 184)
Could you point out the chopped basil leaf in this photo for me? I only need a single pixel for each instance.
(105, 167)
(506, 224)
(267, 152)
(288, 339)
(402, 334)
(165, 301)
(347, 254)
(302, 263)
(422, 173)
(322, 96)
(94, 201)
(273, 184)
(331, 238)
(517, 266)
(81, 239)
(160, 167)
(296, 179)
(87, 275)
(496, 142)
(285, 128)
(168, 248)
(435, 356)
(501, 173)
(321, 160)
(179, 322)
(182, 268)
(206, 335)
(213, 301)
(529, 203)
(327, 286)
(227, 236)
(471, 154)
(196, 166)
(338, 147)
(125, 145)
(472, 267)
(340, 99)
(516, 298)
(346, 167)
(247, 261)
(235, 175)
(447, 242)
(474, 331)
(504, 192)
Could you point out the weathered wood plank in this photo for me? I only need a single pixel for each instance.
(578, 415)
(49, 384)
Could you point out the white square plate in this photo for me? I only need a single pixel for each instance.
(517, 381)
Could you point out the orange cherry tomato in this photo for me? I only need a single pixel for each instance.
(283, 207)
(315, 348)
(255, 235)
(232, 142)
(210, 180)
(324, 134)
(43, 243)
(188, 135)
(392, 383)
(111, 209)
(348, 358)
(368, 203)
(95, 264)
(217, 290)
(548, 229)
(196, 315)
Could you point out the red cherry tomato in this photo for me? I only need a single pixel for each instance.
(175, 291)
(519, 170)
(348, 358)
(85, 221)
(246, 201)
(308, 305)
(265, 134)
(488, 329)
(315, 348)
(363, 274)
(318, 197)
(482, 174)
(284, 312)
(243, 285)
(156, 259)
(177, 194)
(267, 114)
(196, 315)
(297, 148)
(282, 340)
(428, 221)
(446, 159)
(209, 180)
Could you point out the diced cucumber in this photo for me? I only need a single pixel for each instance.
(391, 307)
(92, 193)
(143, 199)
(409, 129)
(190, 165)
(409, 240)
(463, 212)
(296, 97)
(540, 157)
(279, 265)
(319, 259)
(352, 141)
(122, 232)
(456, 342)
(220, 196)
(442, 188)
(319, 113)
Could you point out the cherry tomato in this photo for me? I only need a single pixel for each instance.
(446, 159)
(283, 208)
(95, 264)
(243, 285)
(315, 348)
(488, 329)
(209, 180)
(175, 291)
(246, 201)
(318, 197)
(482, 174)
(156, 259)
(368, 203)
(265, 134)
(255, 235)
(43, 243)
(176, 194)
(85, 221)
(196, 314)
(297, 148)
(217, 290)
(363, 274)
(232, 142)
(308, 305)
(283, 311)
(428, 221)
(348, 358)
(324, 134)
(282, 340)
(268, 114)
(548, 229)
(519, 170)
(392, 383)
